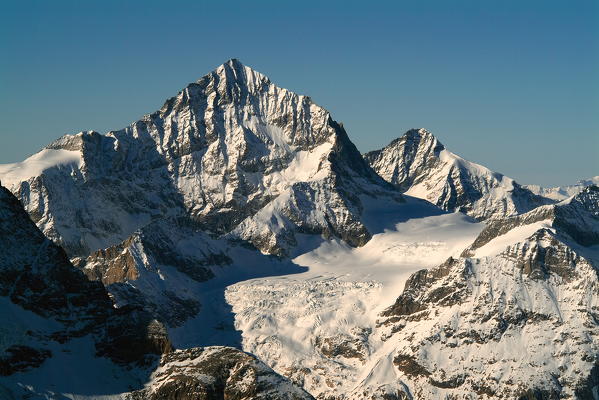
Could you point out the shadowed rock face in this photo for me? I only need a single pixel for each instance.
(155, 244)
(418, 164)
(239, 155)
(462, 327)
(215, 373)
(36, 276)
(21, 358)
(133, 270)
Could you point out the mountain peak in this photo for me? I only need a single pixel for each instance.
(234, 62)
(421, 135)
(224, 149)
(419, 132)
(420, 165)
(233, 65)
(415, 137)
(234, 73)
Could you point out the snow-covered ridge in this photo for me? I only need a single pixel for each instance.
(420, 166)
(576, 217)
(512, 237)
(37, 164)
(562, 192)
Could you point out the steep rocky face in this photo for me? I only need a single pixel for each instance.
(420, 166)
(216, 373)
(161, 243)
(158, 266)
(49, 308)
(241, 156)
(515, 317)
(46, 301)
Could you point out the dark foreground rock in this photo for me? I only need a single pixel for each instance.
(216, 373)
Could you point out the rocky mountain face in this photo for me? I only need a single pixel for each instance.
(232, 158)
(244, 158)
(150, 269)
(240, 214)
(47, 304)
(216, 373)
(419, 165)
(516, 316)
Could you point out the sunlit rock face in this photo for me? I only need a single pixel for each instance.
(232, 151)
(420, 166)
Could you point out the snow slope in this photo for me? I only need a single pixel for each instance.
(320, 327)
(38, 163)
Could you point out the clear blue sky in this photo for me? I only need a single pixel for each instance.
(511, 84)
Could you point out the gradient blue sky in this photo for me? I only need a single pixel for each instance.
(513, 85)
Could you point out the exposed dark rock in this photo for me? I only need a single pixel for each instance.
(409, 366)
(216, 373)
(412, 301)
(539, 394)
(37, 276)
(18, 358)
(452, 383)
(344, 346)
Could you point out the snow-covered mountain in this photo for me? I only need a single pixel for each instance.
(232, 158)
(562, 192)
(61, 337)
(420, 166)
(241, 156)
(240, 218)
(516, 316)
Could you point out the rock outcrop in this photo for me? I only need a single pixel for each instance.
(216, 373)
